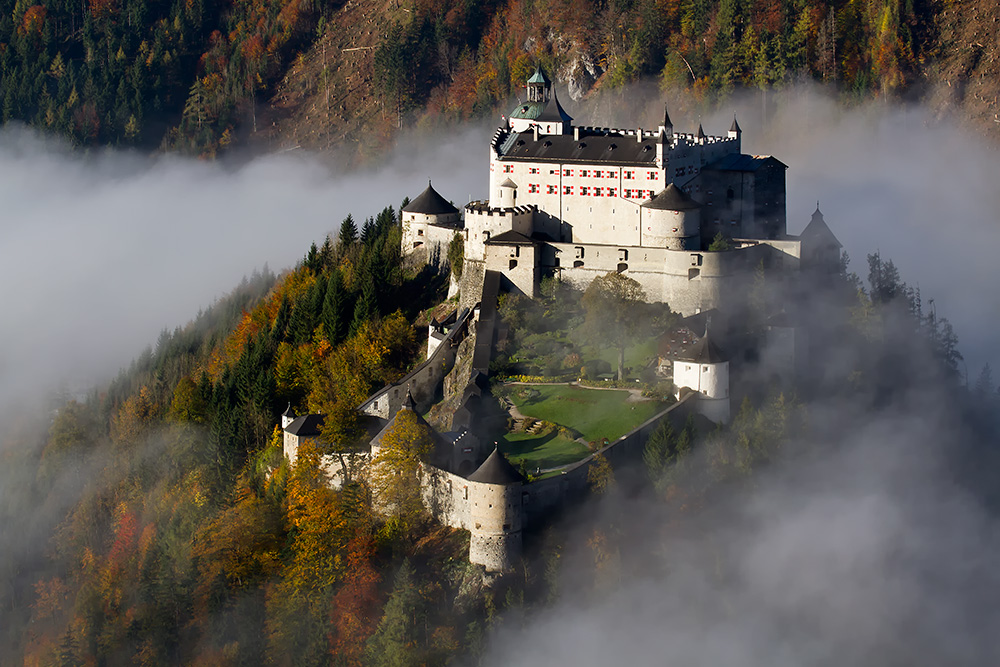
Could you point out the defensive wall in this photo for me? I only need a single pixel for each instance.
(451, 499)
(689, 281)
(424, 381)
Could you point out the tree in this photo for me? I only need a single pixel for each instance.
(392, 644)
(719, 244)
(395, 475)
(336, 313)
(613, 304)
(348, 233)
(456, 254)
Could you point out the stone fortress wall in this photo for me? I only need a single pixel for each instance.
(424, 381)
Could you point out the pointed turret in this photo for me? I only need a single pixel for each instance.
(496, 469)
(408, 402)
(430, 202)
(554, 112)
(539, 86)
(820, 247)
(287, 417)
(734, 129)
(701, 133)
(668, 125)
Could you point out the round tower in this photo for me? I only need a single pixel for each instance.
(495, 514)
(507, 194)
(420, 217)
(704, 370)
(671, 220)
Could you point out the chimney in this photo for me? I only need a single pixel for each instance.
(535, 127)
(638, 135)
(576, 133)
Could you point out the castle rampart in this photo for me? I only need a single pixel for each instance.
(423, 381)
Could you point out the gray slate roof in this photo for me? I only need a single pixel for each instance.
(554, 112)
(703, 352)
(818, 232)
(306, 426)
(496, 470)
(589, 148)
(740, 162)
(510, 237)
(429, 202)
(672, 198)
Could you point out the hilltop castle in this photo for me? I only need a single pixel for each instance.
(574, 203)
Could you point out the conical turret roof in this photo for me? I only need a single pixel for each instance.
(701, 131)
(818, 231)
(735, 127)
(496, 469)
(672, 198)
(666, 118)
(554, 112)
(429, 202)
(539, 76)
(703, 352)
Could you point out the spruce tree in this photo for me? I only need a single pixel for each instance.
(366, 307)
(335, 315)
(348, 233)
(391, 644)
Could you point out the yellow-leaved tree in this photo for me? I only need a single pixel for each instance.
(395, 473)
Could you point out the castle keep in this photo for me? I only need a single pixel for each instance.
(573, 203)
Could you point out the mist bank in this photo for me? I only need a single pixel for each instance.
(100, 251)
(857, 547)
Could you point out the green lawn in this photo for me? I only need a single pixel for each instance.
(636, 356)
(547, 450)
(594, 413)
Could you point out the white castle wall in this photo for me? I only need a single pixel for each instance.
(676, 230)
(428, 235)
(711, 382)
(483, 222)
(518, 263)
(599, 201)
(688, 281)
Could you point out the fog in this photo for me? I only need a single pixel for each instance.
(862, 550)
(920, 189)
(857, 551)
(100, 251)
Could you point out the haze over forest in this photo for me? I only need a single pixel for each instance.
(145, 514)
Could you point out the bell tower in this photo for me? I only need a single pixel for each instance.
(539, 86)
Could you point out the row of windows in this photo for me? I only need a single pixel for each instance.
(627, 174)
(589, 191)
(681, 171)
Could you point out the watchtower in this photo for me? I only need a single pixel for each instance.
(495, 514)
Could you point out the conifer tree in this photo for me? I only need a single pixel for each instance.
(368, 233)
(390, 646)
(366, 308)
(335, 313)
(348, 233)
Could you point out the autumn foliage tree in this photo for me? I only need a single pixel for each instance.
(614, 311)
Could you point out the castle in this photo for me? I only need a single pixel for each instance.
(574, 203)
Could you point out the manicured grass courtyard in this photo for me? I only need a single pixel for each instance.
(594, 413)
(544, 450)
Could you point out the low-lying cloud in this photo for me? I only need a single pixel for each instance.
(100, 251)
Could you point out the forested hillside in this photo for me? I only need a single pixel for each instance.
(200, 76)
(156, 521)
